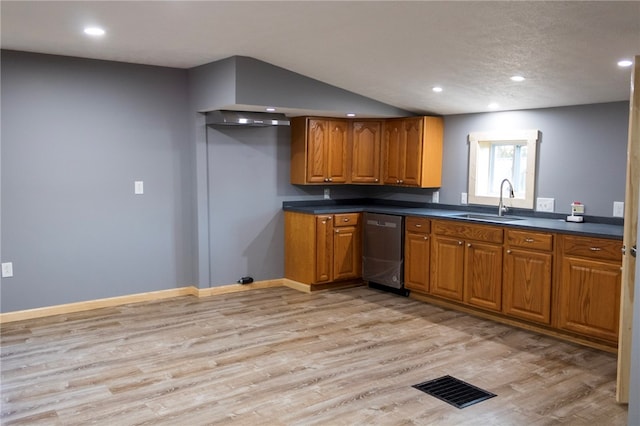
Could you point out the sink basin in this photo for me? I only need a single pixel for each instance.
(487, 217)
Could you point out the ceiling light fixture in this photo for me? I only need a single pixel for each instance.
(94, 31)
(517, 78)
(493, 105)
(437, 89)
(271, 109)
(625, 63)
(351, 114)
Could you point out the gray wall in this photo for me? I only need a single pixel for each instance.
(582, 155)
(75, 135)
(242, 175)
(248, 179)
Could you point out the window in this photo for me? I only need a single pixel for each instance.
(495, 156)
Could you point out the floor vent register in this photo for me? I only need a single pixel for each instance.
(454, 391)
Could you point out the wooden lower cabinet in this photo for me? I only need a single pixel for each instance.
(589, 286)
(417, 254)
(347, 250)
(447, 267)
(322, 248)
(527, 280)
(483, 275)
(466, 263)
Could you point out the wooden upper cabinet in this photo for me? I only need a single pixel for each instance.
(319, 151)
(412, 152)
(367, 149)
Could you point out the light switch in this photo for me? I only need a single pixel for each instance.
(138, 187)
(7, 269)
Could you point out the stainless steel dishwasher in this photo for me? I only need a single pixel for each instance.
(382, 254)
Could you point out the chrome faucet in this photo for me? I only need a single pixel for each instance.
(502, 209)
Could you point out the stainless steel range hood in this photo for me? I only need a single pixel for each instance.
(245, 118)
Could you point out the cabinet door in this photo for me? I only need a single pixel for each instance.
(347, 258)
(416, 261)
(447, 267)
(483, 275)
(527, 285)
(317, 141)
(324, 248)
(589, 297)
(393, 152)
(367, 143)
(412, 161)
(337, 152)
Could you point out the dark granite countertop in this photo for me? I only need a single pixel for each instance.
(550, 222)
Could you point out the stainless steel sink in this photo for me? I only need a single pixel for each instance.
(487, 217)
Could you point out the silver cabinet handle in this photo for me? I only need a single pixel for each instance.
(595, 249)
(508, 251)
(376, 180)
(468, 244)
(346, 219)
(426, 238)
(337, 231)
(459, 243)
(418, 225)
(330, 179)
(529, 240)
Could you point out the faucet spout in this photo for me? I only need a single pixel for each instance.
(502, 209)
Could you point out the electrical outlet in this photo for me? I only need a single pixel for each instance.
(7, 269)
(545, 204)
(435, 197)
(327, 194)
(463, 198)
(618, 209)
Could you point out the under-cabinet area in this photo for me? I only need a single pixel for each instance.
(565, 285)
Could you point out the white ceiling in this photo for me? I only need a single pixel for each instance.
(393, 51)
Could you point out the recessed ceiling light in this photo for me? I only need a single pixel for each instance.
(437, 89)
(625, 63)
(493, 105)
(271, 109)
(94, 31)
(351, 114)
(517, 78)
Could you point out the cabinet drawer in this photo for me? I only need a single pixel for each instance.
(417, 224)
(595, 248)
(532, 240)
(346, 219)
(471, 232)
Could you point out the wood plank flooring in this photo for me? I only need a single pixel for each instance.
(281, 357)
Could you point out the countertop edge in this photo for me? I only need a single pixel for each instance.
(588, 229)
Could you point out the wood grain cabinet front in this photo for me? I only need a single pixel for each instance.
(466, 263)
(412, 152)
(319, 151)
(366, 151)
(417, 248)
(589, 284)
(528, 261)
(322, 248)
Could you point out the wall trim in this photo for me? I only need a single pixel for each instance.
(88, 305)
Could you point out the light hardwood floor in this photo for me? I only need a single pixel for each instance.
(281, 357)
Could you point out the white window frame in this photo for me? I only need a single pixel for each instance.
(528, 137)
